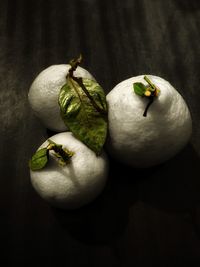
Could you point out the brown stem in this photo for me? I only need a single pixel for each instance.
(74, 64)
(149, 82)
(148, 105)
(80, 83)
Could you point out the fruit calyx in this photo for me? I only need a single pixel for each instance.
(40, 159)
(63, 154)
(150, 91)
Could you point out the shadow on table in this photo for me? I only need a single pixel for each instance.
(173, 187)
(104, 219)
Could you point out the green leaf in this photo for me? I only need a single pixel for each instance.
(39, 159)
(82, 114)
(139, 88)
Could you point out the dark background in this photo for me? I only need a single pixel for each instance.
(143, 218)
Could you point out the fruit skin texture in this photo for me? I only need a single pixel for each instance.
(146, 141)
(44, 92)
(75, 184)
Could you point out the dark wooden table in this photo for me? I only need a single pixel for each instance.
(143, 218)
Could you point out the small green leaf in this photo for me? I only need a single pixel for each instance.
(39, 159)
(139, 88)
(83, 109)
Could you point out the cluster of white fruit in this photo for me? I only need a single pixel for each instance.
(134, 139)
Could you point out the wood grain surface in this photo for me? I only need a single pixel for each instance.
(143, 218)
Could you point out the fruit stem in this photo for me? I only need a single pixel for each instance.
(74, 64)
(149, 82)
(151, 98)
(80, 83)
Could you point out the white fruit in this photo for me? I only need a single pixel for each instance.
(75, 184)
(44, 92)
(146, 141)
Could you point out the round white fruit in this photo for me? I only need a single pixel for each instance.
(44, 92)
(75, 184)
(146, 141)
